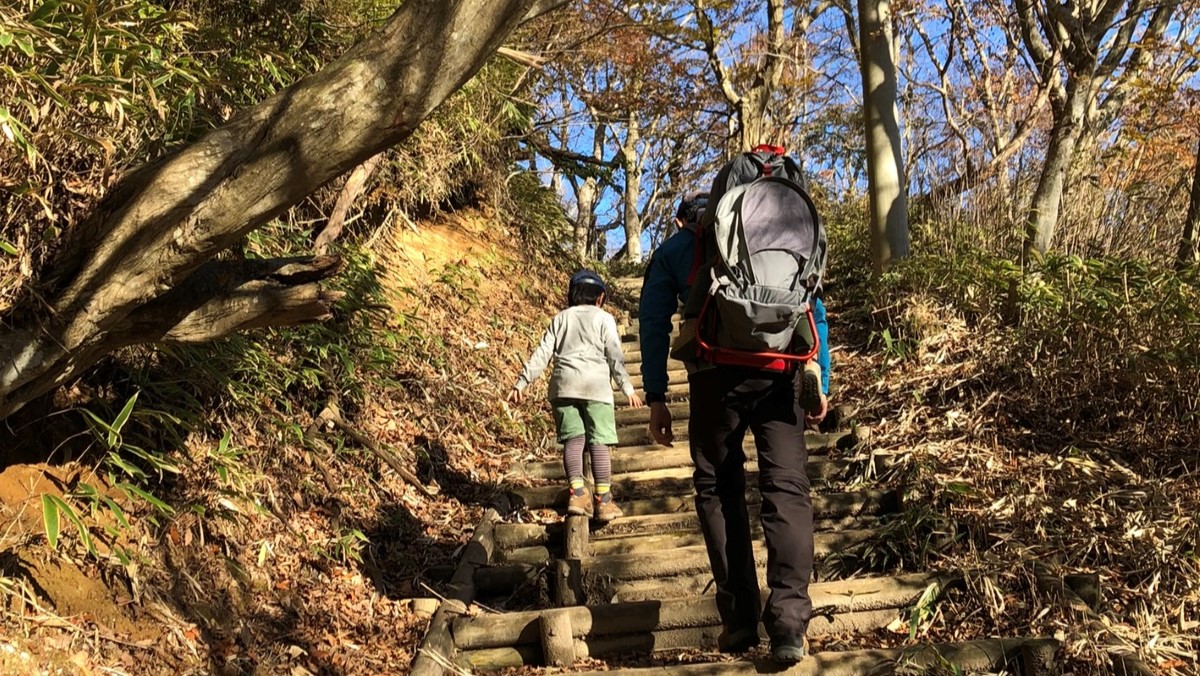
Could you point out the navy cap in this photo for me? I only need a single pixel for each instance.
(692, 207)
(588, 277)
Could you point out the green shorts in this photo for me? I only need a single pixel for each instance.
(580, 417)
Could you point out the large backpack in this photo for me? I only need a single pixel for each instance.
(760, 257)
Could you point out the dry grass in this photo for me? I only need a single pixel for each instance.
(1037, 465)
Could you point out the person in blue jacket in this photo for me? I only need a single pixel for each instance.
(725, 401)
(664, 290)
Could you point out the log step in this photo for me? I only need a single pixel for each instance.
(987, 656)
(677, 391)
(638, 434)
(641, 556)
(677, 480)
(514, 535)
(643, 457)
(844, 596)
(675, 369)
(856, 503)
(1032, 656)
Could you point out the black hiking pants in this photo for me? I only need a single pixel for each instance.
(726, 401)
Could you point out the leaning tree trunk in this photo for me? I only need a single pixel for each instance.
(356, 183)
(139, 268)
(885, 163)
(1047, 197)
(1189, 251)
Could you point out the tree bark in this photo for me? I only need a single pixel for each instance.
(166, 220)
(355, 184)
(1098, 50)
(885, 164)
(1047, 197)
(631, 162)
(1189, 251)
(750, 106)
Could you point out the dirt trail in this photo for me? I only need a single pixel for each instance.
(74, 595)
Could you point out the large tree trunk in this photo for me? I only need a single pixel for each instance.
(585, 219)
(138, 267)
(631, 161)
(588, 195)
(1047, 197)
(885, 163)
(749, 107)
(1189, 243)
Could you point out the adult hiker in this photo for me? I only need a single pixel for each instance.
(727, 398)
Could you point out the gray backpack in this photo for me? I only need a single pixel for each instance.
(766, 255)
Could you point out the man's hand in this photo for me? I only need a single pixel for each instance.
(816, 418)
(635, 401)
(515, 395)
(660, 424)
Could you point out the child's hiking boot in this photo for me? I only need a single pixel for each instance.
(606, 508)
(579, 501)
(810, 387)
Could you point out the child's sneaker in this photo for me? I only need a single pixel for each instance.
(579, 501)
(810, 388)
(607, 509)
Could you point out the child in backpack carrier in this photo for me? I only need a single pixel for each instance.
(584, 344)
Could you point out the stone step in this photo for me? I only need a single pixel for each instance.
(626, 459)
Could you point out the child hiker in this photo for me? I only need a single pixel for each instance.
(586, 348)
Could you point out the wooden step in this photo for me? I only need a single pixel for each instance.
(655, 456)
(514, 535)
(678, 480)
(630, 284)
(631, 497)
(1031, 656)
(676, 392)
(641, 416)
(641, 556)
(843, 596)
(673, 367)
(831, 505)
(634, 324)
(638, 434)
(669, 639)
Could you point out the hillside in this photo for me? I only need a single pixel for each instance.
(270, 553)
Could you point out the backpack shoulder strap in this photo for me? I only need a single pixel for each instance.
(698, 256)
(793, 173)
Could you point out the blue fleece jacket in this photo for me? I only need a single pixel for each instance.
(664, 289)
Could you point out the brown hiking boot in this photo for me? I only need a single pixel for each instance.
(810, 388)
(579, 501)
(607, 509)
